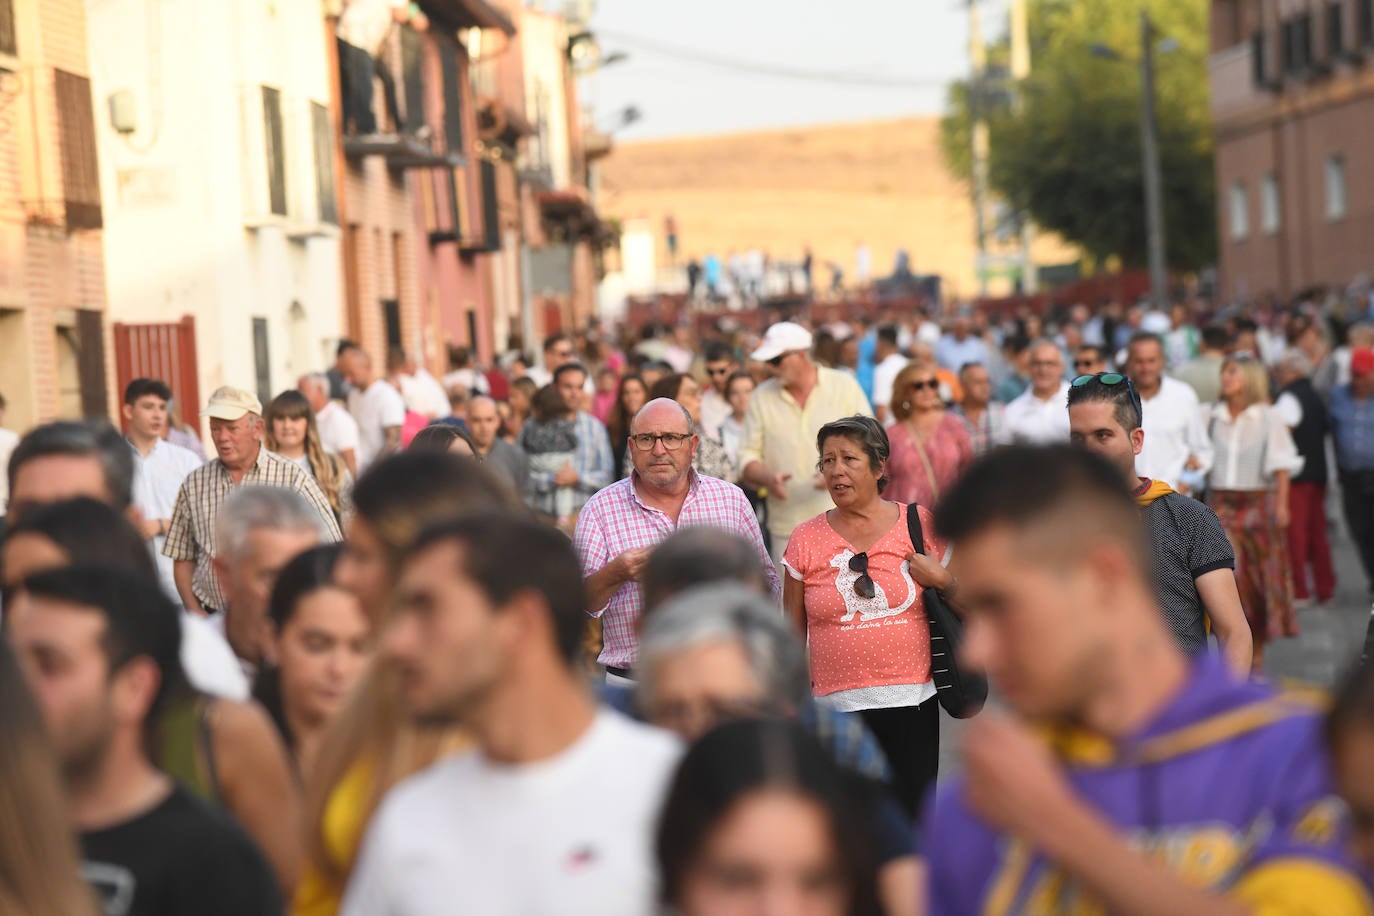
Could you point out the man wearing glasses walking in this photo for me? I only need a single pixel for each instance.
(622, 523)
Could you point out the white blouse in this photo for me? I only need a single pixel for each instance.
(1250, 448)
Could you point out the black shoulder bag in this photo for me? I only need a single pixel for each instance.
(961, 693)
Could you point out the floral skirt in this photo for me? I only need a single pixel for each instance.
(1263, 569)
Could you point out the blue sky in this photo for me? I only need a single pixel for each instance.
(921, 41)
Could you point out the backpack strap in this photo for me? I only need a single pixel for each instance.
(913, 528)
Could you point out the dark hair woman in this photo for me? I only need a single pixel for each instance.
(856, 564)
(711, 458)
(630, 397)
(759, 811)
(443, 437)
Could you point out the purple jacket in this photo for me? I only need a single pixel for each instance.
(1229, 787)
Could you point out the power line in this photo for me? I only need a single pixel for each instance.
(832, 77)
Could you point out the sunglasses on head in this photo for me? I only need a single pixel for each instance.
(932, 384)
(1111, 380)
(863, 586)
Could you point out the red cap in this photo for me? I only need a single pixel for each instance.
(1361, 361)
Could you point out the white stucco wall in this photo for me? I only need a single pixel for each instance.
(181, 192)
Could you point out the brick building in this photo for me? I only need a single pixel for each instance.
(1293, 104)
(53, 357)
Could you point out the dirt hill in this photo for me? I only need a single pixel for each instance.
(833, 186)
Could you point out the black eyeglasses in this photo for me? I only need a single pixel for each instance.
(863, 586)
(671, 441)
(1112, 379)
(933, 385)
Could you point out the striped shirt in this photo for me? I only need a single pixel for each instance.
(191, 534)
(616, 520)
(987, 432)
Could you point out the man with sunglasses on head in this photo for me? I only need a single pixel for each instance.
(1193, 564)
(778, 453)
(621, 523)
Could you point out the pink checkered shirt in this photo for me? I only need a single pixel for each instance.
(616, 520)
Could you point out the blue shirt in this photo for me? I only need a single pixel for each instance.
(1352, 426)
(954, 354)
(592, 461)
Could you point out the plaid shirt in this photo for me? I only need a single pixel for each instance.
(616, 520)
(592, 460)
(988, 432)
(191, 533)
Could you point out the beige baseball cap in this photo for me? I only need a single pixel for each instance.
(230, 403)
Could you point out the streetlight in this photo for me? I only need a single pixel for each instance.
(1149, 149)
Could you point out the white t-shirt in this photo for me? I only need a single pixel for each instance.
(209, 662)
(375, 409)
(468, 380)
(157, 481)
(568, 836)
(338, 430)
(1173, 431)
(884, 374)
(423, 394)
(1031, 421)
(8, 440)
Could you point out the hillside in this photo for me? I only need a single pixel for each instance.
(832, 186)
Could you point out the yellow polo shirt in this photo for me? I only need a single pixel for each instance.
(782, 434)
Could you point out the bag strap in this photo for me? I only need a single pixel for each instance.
(930, 472)
(913, 529)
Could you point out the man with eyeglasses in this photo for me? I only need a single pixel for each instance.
(778, 453)
(1193, 563)
(1037, 417)
(715, 402)
(623, 522)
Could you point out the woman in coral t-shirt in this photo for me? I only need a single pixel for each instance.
(853, 587)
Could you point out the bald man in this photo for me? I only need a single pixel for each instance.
(509, 462)
(622, 522)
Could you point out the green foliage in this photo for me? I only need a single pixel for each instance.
(1068, 152)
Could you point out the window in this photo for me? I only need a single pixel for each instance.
(8, 32)
(262, 363)
(1270, 212)
(323, 139)
(491, 222)
(90, 363)
(1364, 21)
(453, 95)
(76, 130)
(276, 152)
(391, 318)
(1335, 186)
(1259, 46)
(1297, 44)
(1240, 212)
(413, 79)
(1335, 30)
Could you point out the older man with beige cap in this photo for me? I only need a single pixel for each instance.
(778, 451)
(236, 428)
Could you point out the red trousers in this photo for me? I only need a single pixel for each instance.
(1307, 543)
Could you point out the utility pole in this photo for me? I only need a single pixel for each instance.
(978, 58)
(1149, 147)
(1020, 69)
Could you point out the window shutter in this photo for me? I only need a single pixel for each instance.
(80, 170)
(275, 149)
(322, 133)
(90, 366)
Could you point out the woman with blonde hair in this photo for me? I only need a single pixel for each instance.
(39, 862)
(931, 446)
(372, 745)
(1254, 457)
(291, 432)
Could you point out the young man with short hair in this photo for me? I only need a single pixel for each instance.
(100, 649)
(1131, 779)
(1193, 564)
(375, 404)
(160, 467)
(720, 364)
(552, 808)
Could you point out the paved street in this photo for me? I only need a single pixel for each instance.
(1331, 637)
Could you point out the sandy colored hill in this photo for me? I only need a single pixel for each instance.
(833, 186)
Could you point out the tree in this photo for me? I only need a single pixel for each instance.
(1067, 149)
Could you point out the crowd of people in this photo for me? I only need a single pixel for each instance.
(642, 625)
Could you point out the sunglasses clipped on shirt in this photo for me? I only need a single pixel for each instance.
(863, 586)
(1111, 380)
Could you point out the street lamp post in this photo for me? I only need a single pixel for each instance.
(1149, 153)
(1149, 150)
